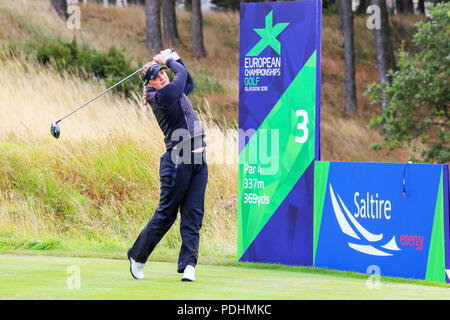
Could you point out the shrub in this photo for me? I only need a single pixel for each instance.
(418, 97)
(205, 83)
(112, 66)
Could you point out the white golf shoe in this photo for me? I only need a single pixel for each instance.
(136, 268)
(188, 274)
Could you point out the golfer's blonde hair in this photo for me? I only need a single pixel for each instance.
(144, 70)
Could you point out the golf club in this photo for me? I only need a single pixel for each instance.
(54, 129)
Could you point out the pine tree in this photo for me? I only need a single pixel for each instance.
(169, 22)
(198, 46)
(153, 26)
(349, 58)
(385, 50)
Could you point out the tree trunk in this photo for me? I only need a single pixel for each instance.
(61, 8)
(341, 18)
(422, 6)
(169, 22)
(362, 9)
(197, 30)
(349, 58)
(385, 51)
(392, 7)
(153, 26)
(188, 5)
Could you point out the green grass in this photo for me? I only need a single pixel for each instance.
(47, 277)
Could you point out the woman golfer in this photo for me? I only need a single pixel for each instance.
(183, 170)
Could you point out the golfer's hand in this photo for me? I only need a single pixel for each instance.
(171, 54)
(161, 58)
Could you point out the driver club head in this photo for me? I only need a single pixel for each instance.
(54, 129)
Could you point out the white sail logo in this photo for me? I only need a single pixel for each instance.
(349, 224)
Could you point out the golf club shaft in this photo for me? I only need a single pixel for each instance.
(100, 94)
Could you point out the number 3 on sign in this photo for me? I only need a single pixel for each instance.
(302, 126)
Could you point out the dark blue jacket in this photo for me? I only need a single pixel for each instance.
(173, 110)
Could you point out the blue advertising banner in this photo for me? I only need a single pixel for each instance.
(382, 214)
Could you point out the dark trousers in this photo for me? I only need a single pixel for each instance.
(183, 187)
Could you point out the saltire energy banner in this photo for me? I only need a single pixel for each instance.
(279, 105)
(389, 217)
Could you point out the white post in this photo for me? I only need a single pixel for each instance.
(105, 3)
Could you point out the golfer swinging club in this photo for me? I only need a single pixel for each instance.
(183, 170)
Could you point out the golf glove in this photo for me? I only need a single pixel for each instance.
(171, 54)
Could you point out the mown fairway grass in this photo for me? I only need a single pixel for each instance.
(45, 277)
